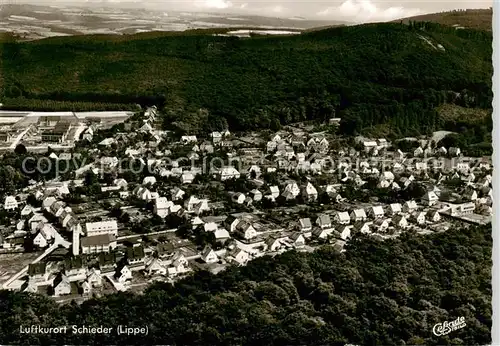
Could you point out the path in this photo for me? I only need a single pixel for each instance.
(58, 240)
(19, 137)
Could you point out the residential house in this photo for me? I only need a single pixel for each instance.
(342, 218)
(394, 209)
(10, 203)
(362, 227)
(345, 232)
(305, 225)
(123, 274)
(256, 195)
(273, 193)
(135, 257)
(238, 256)
(75, 267)
(274, 244)
(433, 216)
(430, 198)
(162, 207)
(40, 241)
(322, 233)
(291, 189)
(238, 197)
(254, 172)
(229, 172)
(298, 239)
(418, 152)
(409, 207)
(101, 227)
(400, 221)
(149, 180)
(358, 215)
(376, 211)
(177, 194)
(418, 217)
(246, 230)
(208, 255)
(61, 285)
(187, 178)
(309, 193)
(94, 277)
(381, 224)
(188, 139)
(323, 221)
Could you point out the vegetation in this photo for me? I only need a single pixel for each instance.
(383, 79)
(377, 293)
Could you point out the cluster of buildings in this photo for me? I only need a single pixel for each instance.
(283, 192)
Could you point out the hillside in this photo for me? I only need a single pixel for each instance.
(480, 19)
(378, 77)
(377, 293)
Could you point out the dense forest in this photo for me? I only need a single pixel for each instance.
(376, 293)
(385, 79)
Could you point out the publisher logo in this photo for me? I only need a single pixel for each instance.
(447, 327)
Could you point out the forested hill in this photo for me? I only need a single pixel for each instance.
(389, 292)
(385, 77)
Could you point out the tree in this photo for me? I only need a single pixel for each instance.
(20, 149)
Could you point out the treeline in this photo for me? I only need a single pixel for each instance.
(388, 292)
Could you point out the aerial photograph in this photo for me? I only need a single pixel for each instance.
(246, 172)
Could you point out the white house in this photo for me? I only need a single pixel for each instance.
(226, 173)
(40, 240)
(61, 285)
(323, 221)
(430, 198)
(246, 230)
(418, 152)
(376, 211)
(10, 203)
(305, 225)
(342, 217)
(400, 221)
(345, 232)
(149, 180)
(208, 255)
(358, 215)
(187, 178)
(123, 274)
(418, 217)
(409, 207)
(188, 139)
(162, 206)
(177, 193)
(433, 216)
(309, 193)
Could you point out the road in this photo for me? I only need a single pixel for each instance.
(18, 138)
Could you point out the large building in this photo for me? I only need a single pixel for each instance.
(58, 134)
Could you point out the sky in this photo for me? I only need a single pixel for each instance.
(359, 11)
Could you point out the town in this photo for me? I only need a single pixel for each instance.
(135, 205)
